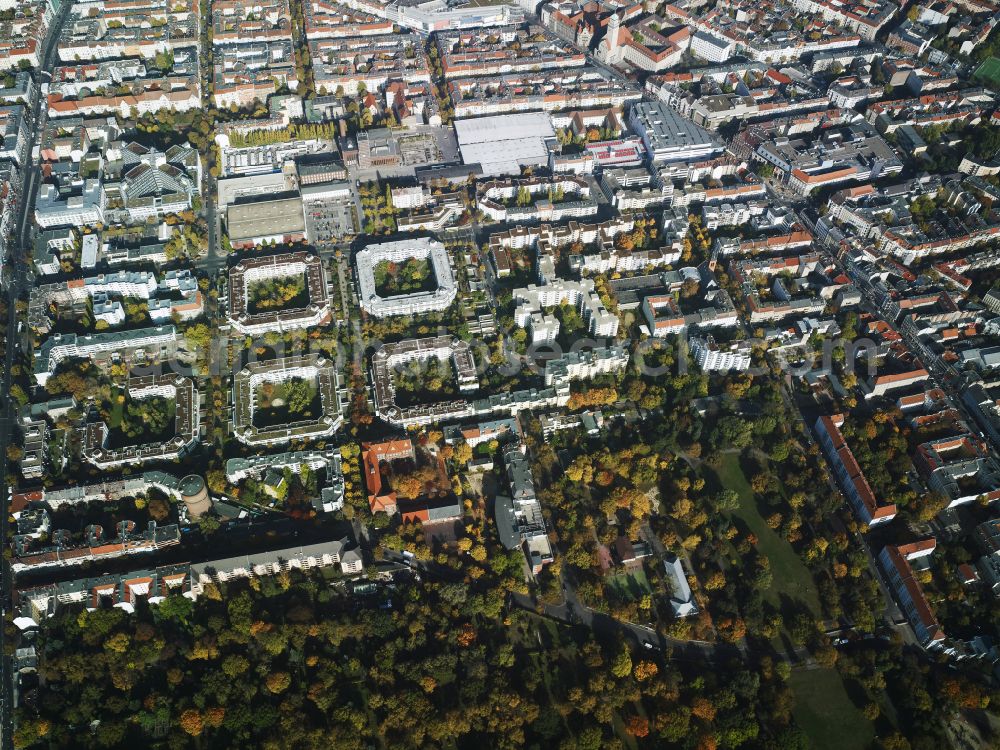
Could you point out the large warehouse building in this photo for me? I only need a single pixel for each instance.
(669, 136)
(503, 144)
(280, 220)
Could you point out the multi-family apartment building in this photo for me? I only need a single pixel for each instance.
(491, 52)
(310, 367)
(14, 135)
(868, 509)
(144, 29)
(837, 155)
(536, 199)
(23, 35)
(531, 302)
(549, 91)
(429, 17)
(345, 63)
(182, 393)
(865, 17)
(896, 562)
(250, 271)
(434, 300)
(711, 356)
(326, 18)
(519, 518)
(252, 50)
(147, 345)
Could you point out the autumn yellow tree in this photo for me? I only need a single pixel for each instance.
(645, 670)
(278, 682)
(192, 722)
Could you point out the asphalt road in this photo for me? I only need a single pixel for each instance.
(574, 613)
(20, 280)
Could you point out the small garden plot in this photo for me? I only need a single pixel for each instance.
(630, 586)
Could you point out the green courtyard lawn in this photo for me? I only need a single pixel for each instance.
(630, 586)
(117, 414)
(825, 712)
(791, 577)
(279, 293)
(287, 401)
(138, 421)
(410, 277)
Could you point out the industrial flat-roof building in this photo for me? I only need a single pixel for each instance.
(252, 187)
(670, 137)
(278, 220)
(502, 144)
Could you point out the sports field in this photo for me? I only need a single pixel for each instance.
(989, 71)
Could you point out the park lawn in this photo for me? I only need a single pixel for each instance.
(790, 575)
(825, 712)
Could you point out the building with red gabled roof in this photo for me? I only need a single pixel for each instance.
(895, 562)
(383, 498)
(849, 475)
(380, 497)
(880, 385)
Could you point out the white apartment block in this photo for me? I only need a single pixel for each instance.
(586, 364)
(710, 357)
(428, 17)
(421, 248)
(493, 197)
(406, 198)
(147, 341)
(531, 302)
(864, 18)
(53, 210)
(713, 48)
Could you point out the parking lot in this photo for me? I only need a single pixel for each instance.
(330, 221)
(418, 149)
(428, 145)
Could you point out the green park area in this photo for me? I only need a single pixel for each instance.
(139, 421)
(791, 577)
(411, 277)
(279, 293)
(825, 712)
